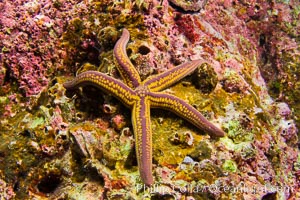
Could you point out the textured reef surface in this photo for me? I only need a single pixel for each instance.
(59, 144)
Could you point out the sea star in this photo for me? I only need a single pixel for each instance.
(141, 95)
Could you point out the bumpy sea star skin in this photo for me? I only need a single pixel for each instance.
(140, 96)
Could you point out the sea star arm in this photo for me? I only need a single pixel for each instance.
(126, 68)
(184, 110)
(143, 138)
(106, 83)
(165, 79)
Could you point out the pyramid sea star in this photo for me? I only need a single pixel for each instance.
(139, 96)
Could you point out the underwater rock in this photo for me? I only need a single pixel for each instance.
(283, 109)
(48, 182)
(126, 131)
(288, 130)
(233, 82)
(187, 5)
(182, 138)
(204, 170)
(87, 141)
(107, 37)
(188, 160)
(109, 108)
(248, 152)
(122, 148)
(229, 166)
(118, 122)
(262, 168)
(165, 174)
(205, 78)
(3, 71)
(6, 190)
(48, 150)
(202, 151)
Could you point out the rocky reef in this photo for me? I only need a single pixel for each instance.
(58, 144)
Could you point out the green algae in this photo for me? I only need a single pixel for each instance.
(237, 133)
(229, 166)
(38, 121)
(3, 101)
(244, 148)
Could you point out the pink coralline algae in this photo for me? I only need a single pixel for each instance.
(288, 130)
(118, 122)
(283, 110)
(57, 122)
(29, 52)
(7, 192)
(25, 65)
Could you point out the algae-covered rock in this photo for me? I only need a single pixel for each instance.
(202, 151)
(186, 5)
(205, 78)
(229, 166)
